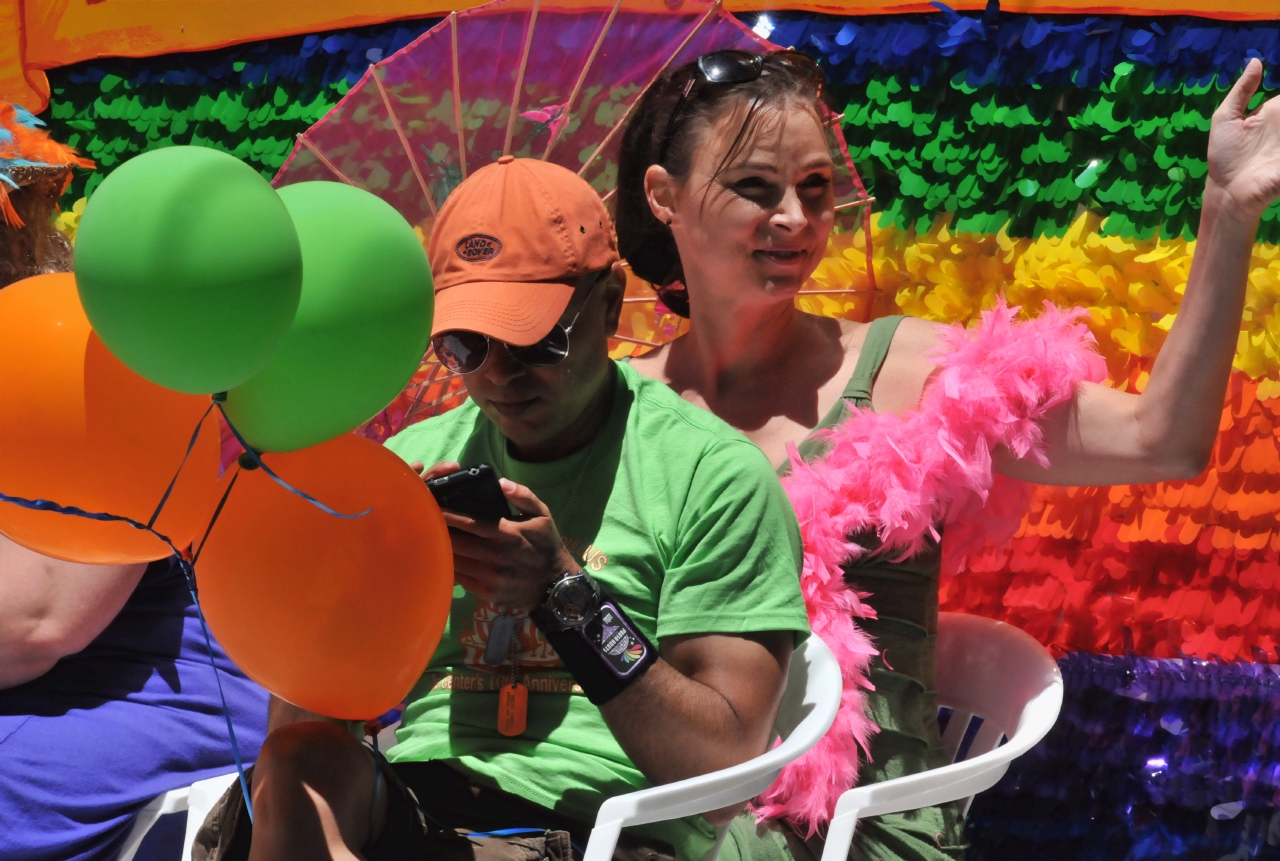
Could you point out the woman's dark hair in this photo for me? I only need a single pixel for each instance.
(643, 240)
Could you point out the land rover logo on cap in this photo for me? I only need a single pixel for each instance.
(478, 247)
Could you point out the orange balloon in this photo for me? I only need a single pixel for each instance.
(336, 616)
(80, 429)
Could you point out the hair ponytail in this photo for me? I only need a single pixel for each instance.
(647, 243)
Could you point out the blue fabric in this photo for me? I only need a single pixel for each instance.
(1014, 50)
(137, 713)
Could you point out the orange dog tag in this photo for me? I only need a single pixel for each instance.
(513, 709)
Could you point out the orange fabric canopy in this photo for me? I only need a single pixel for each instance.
(43, 34)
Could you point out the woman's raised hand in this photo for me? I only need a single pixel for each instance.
(1244, 148)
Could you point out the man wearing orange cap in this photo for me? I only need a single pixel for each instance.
(642, 520)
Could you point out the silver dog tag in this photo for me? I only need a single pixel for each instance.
(501, 630)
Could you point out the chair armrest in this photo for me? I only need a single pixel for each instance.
(688, 797)
(694, 795)
(903, 793)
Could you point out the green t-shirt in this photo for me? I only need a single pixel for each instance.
(680, 517)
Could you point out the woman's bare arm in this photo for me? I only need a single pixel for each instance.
(1105, 436)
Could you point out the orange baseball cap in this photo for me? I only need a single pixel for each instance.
(509, 246)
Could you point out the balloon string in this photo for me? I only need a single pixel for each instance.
(168, 490)
(378, 759)
(217, 511)
(188, 571)
(46, 505)
(257, 462)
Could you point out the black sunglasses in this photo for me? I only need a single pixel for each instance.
(465, 352)
(737, 67)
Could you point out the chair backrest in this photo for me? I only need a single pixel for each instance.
(808, 695)
(994, 671)
(203, 796)
(197, 800)
(985, 668)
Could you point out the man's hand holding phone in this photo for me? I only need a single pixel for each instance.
(509, 562)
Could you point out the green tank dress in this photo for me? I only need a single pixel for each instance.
(905, 597)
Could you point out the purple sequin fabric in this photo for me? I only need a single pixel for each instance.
(1149, 759)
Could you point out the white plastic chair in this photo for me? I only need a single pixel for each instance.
(985, 669)
(197, 799)
(809, 706)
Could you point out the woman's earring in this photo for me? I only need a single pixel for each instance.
(668, 222)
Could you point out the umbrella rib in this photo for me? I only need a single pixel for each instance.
(649, 300)
(324, 161)
(457, 94)
(582, 76)
(438, 401)
(871, 266)
(627, 113)
(420, 393)
(524, 60)
(853, 204)
(634, 341)
(404, 141)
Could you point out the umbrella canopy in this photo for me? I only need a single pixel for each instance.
(516, 77)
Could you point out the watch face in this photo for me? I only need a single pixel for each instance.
(573, 599)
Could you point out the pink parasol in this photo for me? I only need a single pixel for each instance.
(518, 77)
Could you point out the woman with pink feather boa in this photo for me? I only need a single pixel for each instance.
(894, 432)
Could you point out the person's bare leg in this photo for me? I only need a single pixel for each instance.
(315, 796)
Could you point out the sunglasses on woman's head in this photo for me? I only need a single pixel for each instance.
(737, 67)
(465, 352)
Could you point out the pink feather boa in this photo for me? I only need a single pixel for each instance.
(901, 474)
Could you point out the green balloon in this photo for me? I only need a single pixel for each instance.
(362, 326)
(188, 267)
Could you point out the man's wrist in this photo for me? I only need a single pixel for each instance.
(605, 655)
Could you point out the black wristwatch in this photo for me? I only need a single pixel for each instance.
(573, 600)
(600, 646)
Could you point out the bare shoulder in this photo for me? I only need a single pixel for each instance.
(851, 333)
(652, 364)
(907, 367)
(50, 608)
(916, 337)
(913, 339)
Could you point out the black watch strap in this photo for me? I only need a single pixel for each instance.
(605, 655)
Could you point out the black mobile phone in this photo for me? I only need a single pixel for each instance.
(473, 491)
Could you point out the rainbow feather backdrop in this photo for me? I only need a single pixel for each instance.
(1016, 156)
